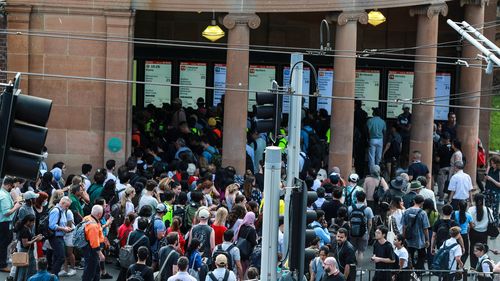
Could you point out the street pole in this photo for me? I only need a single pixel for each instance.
(272, 178)
(293, 149)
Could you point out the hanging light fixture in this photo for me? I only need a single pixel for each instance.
(375, 18)
(213, 32)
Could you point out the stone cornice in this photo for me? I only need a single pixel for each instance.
(233, 19)
(430, 10)
(346, 16)
(481, 3)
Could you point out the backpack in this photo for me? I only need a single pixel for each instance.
(179, 211)
(348, 198)
(117, 214)
(306, 166)
(126, 256)
(479, 268)
(256, 256)
(410, 229)
(443, 233)
(135, 276)
(190, 212)
(151, 231)
(227, 253)
(441, 260)
(378, 194)
(225, 278)
(79, 239)
(357, 221)
(44, 224)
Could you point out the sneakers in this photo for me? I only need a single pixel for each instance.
(106, 276)
(71, 272)
(62, 273)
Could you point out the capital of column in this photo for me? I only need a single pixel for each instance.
(233, 19)
(430, 10)
(344, 17)
(481, 3)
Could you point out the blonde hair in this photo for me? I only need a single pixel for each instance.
(221, 216)
(165, 184)
(123, 201)
(55, 198)
(232, 188)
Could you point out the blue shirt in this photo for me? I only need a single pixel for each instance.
(209, 152)
(57, 218)
(376, 127)
(464, 227)
(304, 135)
(322, 233)
(43, 276)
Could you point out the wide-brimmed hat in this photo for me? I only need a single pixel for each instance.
(415, 185)
(398, 183)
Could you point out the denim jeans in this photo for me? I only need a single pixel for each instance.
(58, 253)
(375, 151)
(5, 240)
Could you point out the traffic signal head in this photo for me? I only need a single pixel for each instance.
(268, 112)
(22, 133)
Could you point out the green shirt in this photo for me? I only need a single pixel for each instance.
(6, 203)
(76, 205)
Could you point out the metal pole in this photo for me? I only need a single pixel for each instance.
(272, 178)
(474, 42)
(293, 149)
(481, 37)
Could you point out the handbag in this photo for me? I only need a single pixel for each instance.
(244, 246)
(390, 234)
(492, 229)
(20, 259)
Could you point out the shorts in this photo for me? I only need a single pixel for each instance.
(359, 243)
(68, 239)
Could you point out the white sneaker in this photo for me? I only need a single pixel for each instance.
(62, 273)
(71, 272)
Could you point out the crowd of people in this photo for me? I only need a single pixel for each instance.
(172, 212)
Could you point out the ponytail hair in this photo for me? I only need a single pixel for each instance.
(479, 201)
(462, 205)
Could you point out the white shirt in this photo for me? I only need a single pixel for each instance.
(398, 215)
(181, 276)
(86, 182)
(428, 194)
(482, 225)
(110, 176)
(402, 254)
(120, 189)
(219, 275)
(129, 208)
(461, 184)
(455, 252)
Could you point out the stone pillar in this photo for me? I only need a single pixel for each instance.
(425, 78)
(118, 97)
(487, 81)
(342, 119)
(470, 81)
(18, 51)
(235, 102)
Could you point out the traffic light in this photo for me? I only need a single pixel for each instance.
(268, 112)
(22, 132)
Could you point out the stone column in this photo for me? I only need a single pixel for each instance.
(18, 51)
(470, 81)
(487, 81)
(235, 102)
(425, 78)
(342, 119)
(118, 97)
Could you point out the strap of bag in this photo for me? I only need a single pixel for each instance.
(490, 216)
(135, 243)
(390, 224)
(226, 275)
(165, 262)
(415, 221)
(212, 276)
(194, 260)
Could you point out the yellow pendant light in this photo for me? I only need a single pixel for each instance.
(213, 32)
(375, 18)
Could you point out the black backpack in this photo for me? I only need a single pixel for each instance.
(443, 233)
(379, 193)
(44, 224)
(227, 252)
(357, 221)
(306, 166)
(135, 276)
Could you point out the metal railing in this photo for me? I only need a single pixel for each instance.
(424, 275)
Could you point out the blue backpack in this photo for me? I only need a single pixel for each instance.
(79, 239)
(441, 260)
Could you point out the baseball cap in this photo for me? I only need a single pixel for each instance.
(30, 195)
(354, 178)
(161, 208)
(221, 260)
(203, 214)
(212, 122)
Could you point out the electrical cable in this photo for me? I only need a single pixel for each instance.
(398, 101)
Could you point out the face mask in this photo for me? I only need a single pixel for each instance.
(45, 203)
(45, 155)
(327, 270)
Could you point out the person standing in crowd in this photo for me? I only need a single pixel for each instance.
(43, 274)
(371, 183)
(92, 252)
(403, 259)
(454, 261)
(441, 229)
(168, 256)
(86, 170)
(247, 231)
(8, 207)
(360, 222)
(320, 227)
(203, 233)
(383, 255)
(182, 274)
(464, 219)
(451, 125)
(416, 232)
(351, 190)
(332, 273)
(417, 168)
(76, 203)
(96, 188)
(479, 225)
(485, 264)
(219, 224)
(221, 272)
(232, 250)
(404, 127)
(332, 204)
(492, 188)
(159, 231)
(58, 224)
(26, 241)
(316, 270)
(460, 186)
(110, 169)
(344, 253)
(376, 130)
(140, 269)
(392, 151)
(443, 157)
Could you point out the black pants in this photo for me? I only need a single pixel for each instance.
(5, 240)
(476, 237)
(465, 255)
(92, 271)
(421, 255)
(382, 276)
